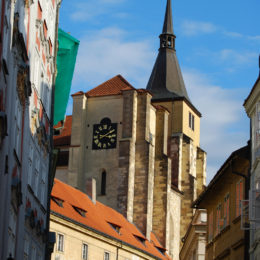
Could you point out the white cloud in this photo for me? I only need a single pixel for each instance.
(92, 9)
(190, 28)
(224, 127)
(237, 57)
(106, 53)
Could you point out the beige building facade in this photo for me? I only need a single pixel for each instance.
(194, 242)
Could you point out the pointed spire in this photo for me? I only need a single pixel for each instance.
(166, 80)
(167, 26)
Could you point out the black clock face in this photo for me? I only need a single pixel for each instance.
(104, 135)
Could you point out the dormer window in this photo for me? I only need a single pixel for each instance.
(140, 239)
(115, 227)
(162, 250)
(58, 201)
(81, 212)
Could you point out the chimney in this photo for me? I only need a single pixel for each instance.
(91, 189)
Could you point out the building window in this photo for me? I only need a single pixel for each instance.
(17, 128)
(12, 231)
(103, 182)
(239, 197)
(210, 227)
(26, 247)
(218, 219)
(191, 121)
(60, 245)
(257, 131)
(226, 210)
(84, 251)
(39, 11)
(106, 256)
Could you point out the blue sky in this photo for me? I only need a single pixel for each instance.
(218, 43)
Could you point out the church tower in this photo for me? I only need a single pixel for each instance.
(141, 146)
(188, 160)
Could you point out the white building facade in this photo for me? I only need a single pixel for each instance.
(28, 31)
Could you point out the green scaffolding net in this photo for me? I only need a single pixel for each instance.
(66, 59)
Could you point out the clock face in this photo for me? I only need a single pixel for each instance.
(104, 135)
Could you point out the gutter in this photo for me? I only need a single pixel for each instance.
(50, 179)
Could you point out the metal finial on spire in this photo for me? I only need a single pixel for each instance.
(167, 26)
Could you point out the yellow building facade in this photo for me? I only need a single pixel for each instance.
(222, 199)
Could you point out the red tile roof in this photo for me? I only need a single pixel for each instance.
(98, 216)
(80, 93)
(113, 86)
(63, 139)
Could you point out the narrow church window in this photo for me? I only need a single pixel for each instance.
(103, 182)
(191, 121)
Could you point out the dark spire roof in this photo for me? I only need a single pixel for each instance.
(166, 80)
(167, 26)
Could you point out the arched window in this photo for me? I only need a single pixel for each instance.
(103, 182)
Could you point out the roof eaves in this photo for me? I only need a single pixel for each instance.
(79, 93)
(219, 173)
(154, 100)
(252, 90)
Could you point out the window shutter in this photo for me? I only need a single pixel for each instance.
(237, 199)
(241, 191)
(228, 210)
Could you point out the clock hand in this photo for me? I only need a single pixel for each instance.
(101, 136)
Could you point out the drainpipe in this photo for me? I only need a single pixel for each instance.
(50, 180)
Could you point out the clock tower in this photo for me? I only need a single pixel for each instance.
(142, 146)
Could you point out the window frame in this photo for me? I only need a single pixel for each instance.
(191, 121)
(106, 254)
(60, 249)
(226, 215)
(239, 196)
(84, 251)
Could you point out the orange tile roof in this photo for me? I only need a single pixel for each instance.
(113, 86)
(99, 216)
(64, 137)
(78, 94)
